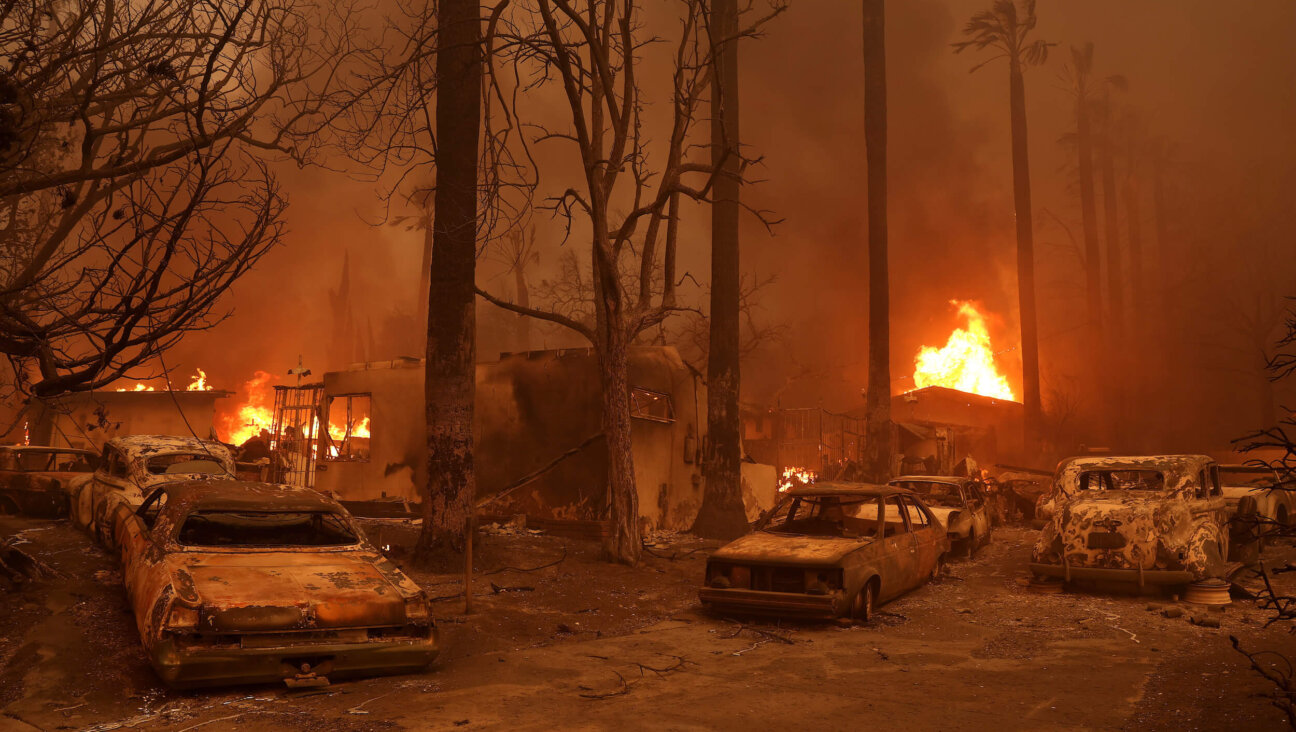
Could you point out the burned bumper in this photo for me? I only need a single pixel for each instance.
(1110, 574)
(757, 602)
(187, 666)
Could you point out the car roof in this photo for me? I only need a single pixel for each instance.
(1139, 462)
(244, 495)
(844, 488)
(946, 479)
(141, 446)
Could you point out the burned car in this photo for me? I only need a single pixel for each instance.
(36, 480)
(237, 582)
(959, 503)
(1147, 520)
(131, 467)
(1258, 505)
(827, 550)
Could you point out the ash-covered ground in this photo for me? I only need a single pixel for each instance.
(580, 643)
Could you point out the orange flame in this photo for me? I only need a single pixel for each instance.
(199, 382)
(966, 362)
(138, 387)
(795, 478)
(254, 415)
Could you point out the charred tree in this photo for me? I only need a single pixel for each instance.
(878, 441)
(132, 174)
(624, 200)
(1006, 29)
(722, 515)
(449, 381)
(1111, 222)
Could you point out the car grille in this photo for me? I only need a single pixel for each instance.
(778, 579)
(1106, 540)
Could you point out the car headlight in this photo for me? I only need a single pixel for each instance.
(182, 618)
(823, 581)
(416, 608)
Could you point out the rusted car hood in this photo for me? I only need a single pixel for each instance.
(290, 590)
(767, 548)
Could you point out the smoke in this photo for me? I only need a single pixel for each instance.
(1217, 82)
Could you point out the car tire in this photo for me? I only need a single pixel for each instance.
(862, 605)
(937, 570)
(8, 506)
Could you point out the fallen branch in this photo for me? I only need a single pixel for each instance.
(758, 631)
(625, 689)
(496, 589)
(547, 565)
(1284, 695)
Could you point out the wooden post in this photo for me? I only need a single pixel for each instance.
(468, 564)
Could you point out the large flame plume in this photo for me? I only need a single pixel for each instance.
(254, 415)
(966, 362)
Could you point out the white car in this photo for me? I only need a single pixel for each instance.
(131, 467)
(1274, 507)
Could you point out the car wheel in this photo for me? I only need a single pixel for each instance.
(937, 570)
(862, 605)
(8, 507)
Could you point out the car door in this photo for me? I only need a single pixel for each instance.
(142, 555)
(898, 548)
(109, 484)
(976, 502)
(925, 530)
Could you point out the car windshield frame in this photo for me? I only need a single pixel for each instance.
(790, 504)
(195, 456)
(1084, 483)
(343, 517)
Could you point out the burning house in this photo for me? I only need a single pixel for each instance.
(87, 420)
(539, 444)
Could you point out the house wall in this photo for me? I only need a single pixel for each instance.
(538, 416)
(90, 419)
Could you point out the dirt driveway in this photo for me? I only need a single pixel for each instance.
(580, 644)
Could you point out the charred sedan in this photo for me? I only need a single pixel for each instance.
(235, 582)
(959, 503)
(132, 466)
(1156, 520)
(828, 550)
(37, 480)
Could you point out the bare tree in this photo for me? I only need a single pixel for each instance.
(132, 188)
(878, 442)
(625, 194)
(1006, 31)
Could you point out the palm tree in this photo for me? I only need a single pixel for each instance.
(878, 444)
(1005, 30)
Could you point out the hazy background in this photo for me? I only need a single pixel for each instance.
(1217, 81)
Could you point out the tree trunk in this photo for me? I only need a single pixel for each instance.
(722, 515)
(1025, 256)
(1089, 218)
(877, 434)
(451, 347)
(1111, 222)
(623, 543)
